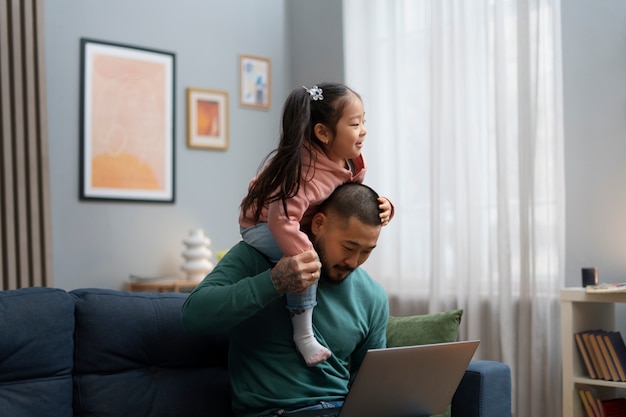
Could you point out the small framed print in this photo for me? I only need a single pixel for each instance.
(255, 78)
(127, 122)
(207, 118)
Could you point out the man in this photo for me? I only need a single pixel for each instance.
(244, 295)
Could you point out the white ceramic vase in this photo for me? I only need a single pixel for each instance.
(197, 255)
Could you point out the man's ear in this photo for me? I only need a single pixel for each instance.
(322, 133)
(318, 223)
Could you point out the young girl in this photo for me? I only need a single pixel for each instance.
(323, 129)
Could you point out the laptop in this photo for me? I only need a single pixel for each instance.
(406, 381)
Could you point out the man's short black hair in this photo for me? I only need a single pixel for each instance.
(354, 200)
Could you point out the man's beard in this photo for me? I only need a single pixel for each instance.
(329, 273)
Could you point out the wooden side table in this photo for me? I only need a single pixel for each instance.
(173, 285)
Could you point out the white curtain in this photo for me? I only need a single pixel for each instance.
(464, 111)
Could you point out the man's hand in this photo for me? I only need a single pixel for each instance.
(294, 274)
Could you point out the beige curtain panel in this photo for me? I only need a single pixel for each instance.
(25, 240)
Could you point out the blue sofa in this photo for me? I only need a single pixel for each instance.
(96, 352)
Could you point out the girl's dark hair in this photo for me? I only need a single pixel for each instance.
(280, 178)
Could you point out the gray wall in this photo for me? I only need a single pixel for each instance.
(594, 73)
(99, 244)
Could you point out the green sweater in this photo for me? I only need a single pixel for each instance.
(266, 371)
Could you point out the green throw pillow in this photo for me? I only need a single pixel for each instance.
(423, 330)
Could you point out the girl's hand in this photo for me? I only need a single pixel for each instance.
(386, 208)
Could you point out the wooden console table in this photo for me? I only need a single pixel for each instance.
(173, 285)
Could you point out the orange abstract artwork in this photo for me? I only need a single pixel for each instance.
(208, 121)
(128, 130)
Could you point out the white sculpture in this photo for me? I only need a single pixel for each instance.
(197, 255)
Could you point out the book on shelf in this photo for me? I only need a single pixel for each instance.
(589, 412)
(617, 350)
(599, 365)
(595, 402)
(615, 407)
(607, 356)
(606, 288)
(592, 354)
(585, 354)
(603, 354)
(591, 401)
(606, 374)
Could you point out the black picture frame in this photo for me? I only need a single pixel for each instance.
(127, 123)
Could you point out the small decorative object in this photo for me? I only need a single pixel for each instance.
(197, 255)
(255, 81)
(207, 118)
(590, 276)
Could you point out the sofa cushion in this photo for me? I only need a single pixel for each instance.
(424, 329)
(36, 348)
(134, 359)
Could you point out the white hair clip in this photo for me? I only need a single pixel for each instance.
(315, 93)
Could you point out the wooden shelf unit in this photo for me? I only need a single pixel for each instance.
(579, 312)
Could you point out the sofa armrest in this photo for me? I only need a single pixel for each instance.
(484, 391)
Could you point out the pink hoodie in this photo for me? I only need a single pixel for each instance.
(327, 176)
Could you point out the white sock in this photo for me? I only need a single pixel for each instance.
(311, 350)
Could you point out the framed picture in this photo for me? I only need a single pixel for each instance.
(126, 123)
(207, 118)
(255, 77)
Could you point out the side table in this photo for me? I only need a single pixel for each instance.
(170, 285)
